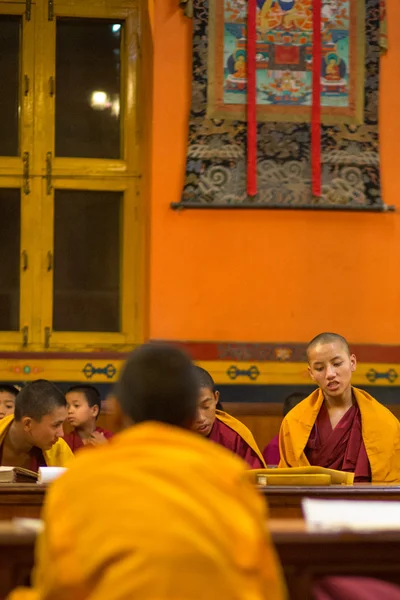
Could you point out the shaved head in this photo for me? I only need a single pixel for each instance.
(327, 338)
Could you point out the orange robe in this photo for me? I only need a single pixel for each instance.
(380, 432)
(159, 513)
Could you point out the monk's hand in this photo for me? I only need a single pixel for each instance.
(97, 439)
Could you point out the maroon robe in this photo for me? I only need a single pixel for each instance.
(341, 448)
(36, 459)
(75, 442)
(225, 436)
(271, 452)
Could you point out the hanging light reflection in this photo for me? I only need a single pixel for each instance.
(99, 100)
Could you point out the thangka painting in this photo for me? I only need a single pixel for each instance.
(352, 37)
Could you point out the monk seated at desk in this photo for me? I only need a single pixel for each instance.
(31, 438)
(159, 513)
(339, 426)
(219, 427)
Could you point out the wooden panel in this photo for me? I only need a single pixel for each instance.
(262, 418)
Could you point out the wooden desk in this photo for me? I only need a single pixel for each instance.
(306, 556)
(21, 500)
(285, 502)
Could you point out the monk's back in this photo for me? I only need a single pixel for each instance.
(177, 518)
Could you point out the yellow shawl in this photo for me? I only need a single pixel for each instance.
(380, 431)
(59, 455)
(241, 429)
(159, 513)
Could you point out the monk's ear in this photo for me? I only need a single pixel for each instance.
(311, 373)
(26, 423)
(353, 362)
(216, 396)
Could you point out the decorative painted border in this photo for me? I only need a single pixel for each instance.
(227, 372)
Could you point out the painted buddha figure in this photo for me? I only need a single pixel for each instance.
(240, 67)
(332, 71)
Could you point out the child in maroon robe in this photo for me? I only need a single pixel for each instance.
(84, 403)
(222, 428)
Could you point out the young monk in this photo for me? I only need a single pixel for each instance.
(339, 426)
(271, 451)
(83, 406)
(218, 426)
(31, 438)
(162, 514)
(8, 393)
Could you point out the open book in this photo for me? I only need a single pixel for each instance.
(17, 475)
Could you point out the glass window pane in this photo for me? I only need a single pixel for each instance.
(87, 236)
(88, 65)
(10, 218)
(10, 28)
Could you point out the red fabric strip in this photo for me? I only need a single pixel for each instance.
(251, 99)
(316, 101)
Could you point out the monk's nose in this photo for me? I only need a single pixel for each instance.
(330, 372)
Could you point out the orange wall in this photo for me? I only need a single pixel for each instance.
(266, 275)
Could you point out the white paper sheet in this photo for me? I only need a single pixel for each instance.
(35, 525)
(351, 515)
(48, 474)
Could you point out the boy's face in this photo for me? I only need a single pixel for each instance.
(7, 404)
(45, 433)
(79, 411)
(206, 407)
(331, 367)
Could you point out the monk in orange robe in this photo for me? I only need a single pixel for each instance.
(339, 426)
(220, 427)
(158, 513)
